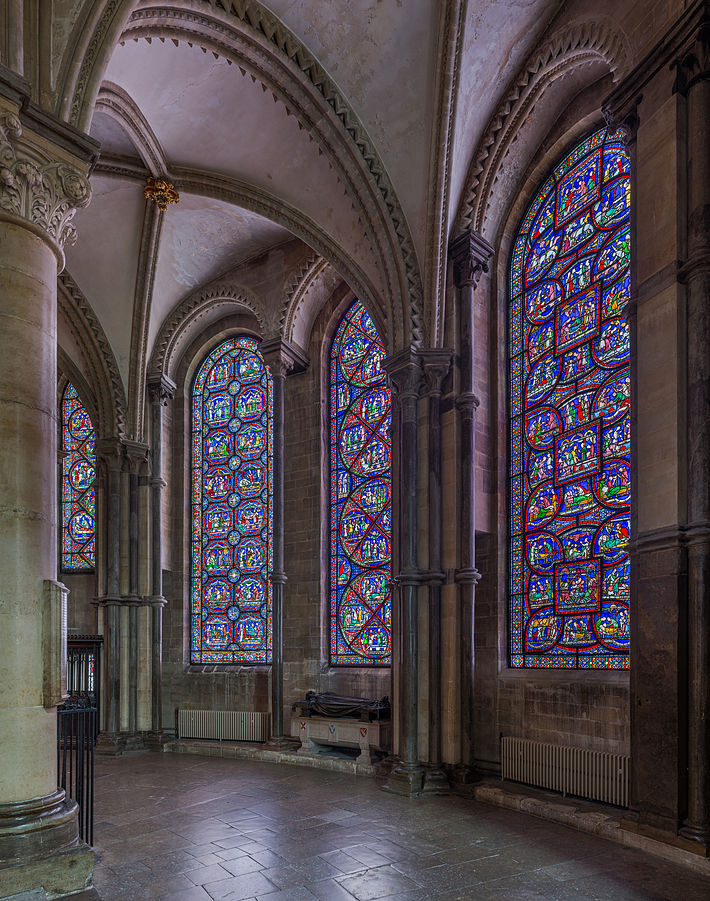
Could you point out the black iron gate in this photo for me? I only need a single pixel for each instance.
(76, 736)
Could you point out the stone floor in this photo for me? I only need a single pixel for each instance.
(188, 828)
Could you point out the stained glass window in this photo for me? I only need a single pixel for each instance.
(78, 500)
(360, 495)
(232, 463)
(569, 416)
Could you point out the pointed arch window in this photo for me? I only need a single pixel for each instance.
(232, 477)
(78, 497)
(569, 385)
(360, 495)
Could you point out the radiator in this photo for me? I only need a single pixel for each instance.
(572, 771)
(226, 725)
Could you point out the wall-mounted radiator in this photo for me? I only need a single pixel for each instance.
(227, 725)
(572, 771)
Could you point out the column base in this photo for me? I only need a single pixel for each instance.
(406, 779)
(156, 741)
(110, 744)
(464, 779)
(699, 836)
(436, 782)
(40, 848)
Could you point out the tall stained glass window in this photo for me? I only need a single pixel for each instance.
(232, 463)
(569, 407)
(78, 499)
(360, 495)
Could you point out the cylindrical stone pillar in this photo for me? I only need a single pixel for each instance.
(404, 371)
(160, 391)
(470, 255)
(435, 364)
(36, 821)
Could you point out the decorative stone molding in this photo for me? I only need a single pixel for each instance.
(311, 288)
(161, 390)
(245, 32)
(98, 356)
(116, 103)
(572, 46)
(436, 363)
(283, 358)
(186, 314)
(451, 29)
(34, 187)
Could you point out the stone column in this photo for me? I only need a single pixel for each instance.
(435, 363)
(109, 451)
(693, 83)
(281, 359)
(161, 390)
(470, 254)
(42, 182)
(136, 458)
(405, 373)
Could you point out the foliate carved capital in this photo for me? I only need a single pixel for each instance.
(404, 370)
(161, 390)
(282, 357)
(136, 455)
(436, 363)
(470, 253)
(43, 191)
(624, 123)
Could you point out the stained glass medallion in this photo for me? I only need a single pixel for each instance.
(361, 495)
(569, 416)
(232, 464)
(78, 501)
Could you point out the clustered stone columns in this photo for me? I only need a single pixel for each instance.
(436, 364)
(281, 358)
(42, 181)
(664, 109)
(161, 391)
(470, 254)
(405, 375)
(121, 602)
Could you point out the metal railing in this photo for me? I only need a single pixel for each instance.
(84, 668)
(76, 737)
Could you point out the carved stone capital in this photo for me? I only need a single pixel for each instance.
(405, 374)
(694, 64)
(161, 390)
(283, 358)
(470, 254)
(436, 363)
(110, 452)
(136, 455)
(37, 184)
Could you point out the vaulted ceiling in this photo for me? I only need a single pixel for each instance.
(340, 128)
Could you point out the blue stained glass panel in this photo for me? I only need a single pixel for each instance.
(570, 489)
(78, 501)
(360, 496)
(231, 508)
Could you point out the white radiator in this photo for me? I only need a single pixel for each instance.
(572, 771)
(227, 725)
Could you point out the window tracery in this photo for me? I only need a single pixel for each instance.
(569, 386)
(232, 476)
(360, 495)
(78, 496)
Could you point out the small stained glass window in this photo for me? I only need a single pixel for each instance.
(232, 465)
(570, 486)
(78, 496)
(360, 495)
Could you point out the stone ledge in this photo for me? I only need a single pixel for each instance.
(248, 751)
(586, 817)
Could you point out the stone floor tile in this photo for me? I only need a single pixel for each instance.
(241, 865)
(212, 873)
(239, 888)
(297, 893)
(344, 862)
(378, 883)
(330, 890)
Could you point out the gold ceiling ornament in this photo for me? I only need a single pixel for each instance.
(161, 191)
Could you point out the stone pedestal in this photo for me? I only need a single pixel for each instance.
(39, 191)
